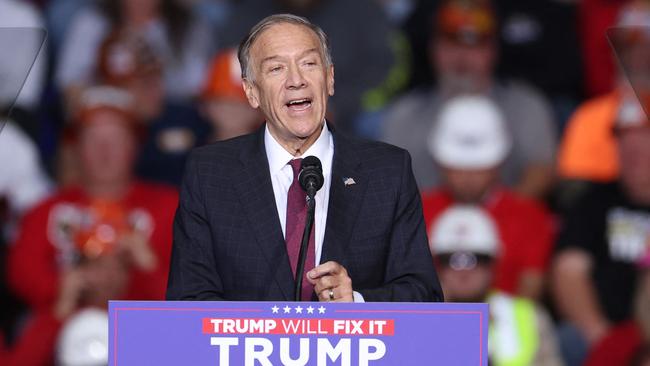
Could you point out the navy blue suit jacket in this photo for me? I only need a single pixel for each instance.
(228, 242)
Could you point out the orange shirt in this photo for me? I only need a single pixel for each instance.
(588, 150)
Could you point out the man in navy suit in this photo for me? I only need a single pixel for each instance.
(239, 222)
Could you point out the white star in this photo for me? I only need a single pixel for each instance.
(275, 309)
(298, 309)
(310, 310)
(287, 309)
(321, 310)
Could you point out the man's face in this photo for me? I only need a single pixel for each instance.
(106, 149)
(469, 186)
(290, 82)
(471, 284)
(463, 68)
(634, 155)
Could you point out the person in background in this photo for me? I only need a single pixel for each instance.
(184, 43)
(224, 102)
(604, 237)
(108, 222)
(538, 43)
(465, 245)
(588, 149)
(469, 147)
(463, 53)
(626, 341)
(171, 129)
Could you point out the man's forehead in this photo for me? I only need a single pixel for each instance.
(285, 37)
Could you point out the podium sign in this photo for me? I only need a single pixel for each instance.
(288, 333)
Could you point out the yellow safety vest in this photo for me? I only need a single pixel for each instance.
(513, 337)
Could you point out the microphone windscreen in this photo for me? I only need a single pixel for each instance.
(311, 173)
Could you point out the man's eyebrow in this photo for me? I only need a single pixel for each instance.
(311, 50)
(270, 58)
(276, 57)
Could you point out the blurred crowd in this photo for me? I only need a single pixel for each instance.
(528, 143)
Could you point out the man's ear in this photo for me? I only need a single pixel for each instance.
(330, 80)
(252, 93)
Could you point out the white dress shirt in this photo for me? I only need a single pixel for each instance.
(282, 177)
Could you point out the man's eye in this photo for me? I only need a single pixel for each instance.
(275, 68)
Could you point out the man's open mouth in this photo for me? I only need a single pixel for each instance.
(299, 104)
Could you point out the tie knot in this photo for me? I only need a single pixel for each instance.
(295, 165)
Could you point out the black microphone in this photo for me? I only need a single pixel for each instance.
(311, 180)
(311, 176)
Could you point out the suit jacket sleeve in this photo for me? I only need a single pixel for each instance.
(409, 274)
(193, 272)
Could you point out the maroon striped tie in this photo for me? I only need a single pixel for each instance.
(296, 216)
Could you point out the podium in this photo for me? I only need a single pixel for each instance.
(296, 333)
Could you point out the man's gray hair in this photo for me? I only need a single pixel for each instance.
(243, 53)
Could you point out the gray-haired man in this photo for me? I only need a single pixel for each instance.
(241, 212)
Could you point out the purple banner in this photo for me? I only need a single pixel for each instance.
(279, 333)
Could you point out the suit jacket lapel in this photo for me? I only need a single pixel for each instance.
(253, 184)
(345, 200)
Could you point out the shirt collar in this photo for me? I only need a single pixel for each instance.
(278, 157)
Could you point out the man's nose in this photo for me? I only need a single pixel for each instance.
(295, 78)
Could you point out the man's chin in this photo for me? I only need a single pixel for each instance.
(305, 129)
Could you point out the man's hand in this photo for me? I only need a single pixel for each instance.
(331, 283)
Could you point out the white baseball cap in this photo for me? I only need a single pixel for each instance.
(84, 339)
(470, 134)
(464, 228)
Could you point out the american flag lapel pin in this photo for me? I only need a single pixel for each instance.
(348, 181)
